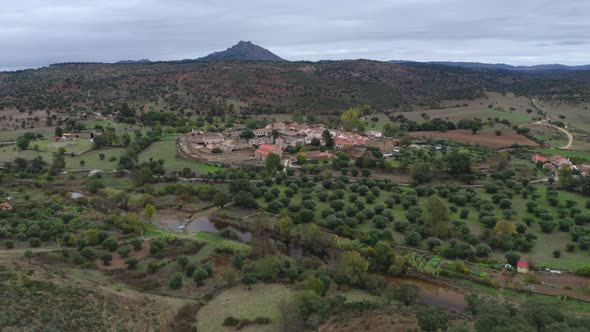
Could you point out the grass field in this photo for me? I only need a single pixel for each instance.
(12, 135)
(262, 301)
(566, 153)
(548, 135)
(166, 150)
(478, 108)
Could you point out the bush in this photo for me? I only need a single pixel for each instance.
(136, 243)
(34, 242)
(267, 268)
(547, 226)
(106, 258)
(464, 214)
(482, 250)
(88, 253)
(584, 242)
(124, 251)
(401, 226)
(556, 253)
(131, 263)
(199, 276)
(433, 242)
(262, 320)
(231, 321)
(9, 244)
(153, 266)
(176, 281)
(413, 238)
(78, 259)
(110, 244)
(156, 245)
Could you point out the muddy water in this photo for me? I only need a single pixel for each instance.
(204, 224)
(433, 294)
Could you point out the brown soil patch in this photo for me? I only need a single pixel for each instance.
(486, 138)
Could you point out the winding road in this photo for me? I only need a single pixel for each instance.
(545, 122)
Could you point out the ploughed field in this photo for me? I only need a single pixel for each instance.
(486, 138)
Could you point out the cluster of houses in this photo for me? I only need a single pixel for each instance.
(72, 136)
(276, 137)
(556, 162)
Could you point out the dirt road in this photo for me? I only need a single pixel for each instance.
(545, 122)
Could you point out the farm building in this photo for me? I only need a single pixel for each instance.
(265, 149)
(522, 267)
(5, 206)
(539, 159)
(206, 138)
(559, 161)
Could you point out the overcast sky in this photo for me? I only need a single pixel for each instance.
(36, 33)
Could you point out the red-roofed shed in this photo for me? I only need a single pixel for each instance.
(522, 267)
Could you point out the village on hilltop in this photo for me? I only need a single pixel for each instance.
(236, 145)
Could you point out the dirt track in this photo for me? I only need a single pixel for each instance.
(545, 122)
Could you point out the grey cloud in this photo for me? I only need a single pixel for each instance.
(36, 33)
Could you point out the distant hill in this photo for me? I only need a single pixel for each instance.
(126, 62)
(244, 50)
(267, 87)
(481, 65)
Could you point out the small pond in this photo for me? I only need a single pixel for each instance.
(176, 223)
(432, 293)
(204, 224)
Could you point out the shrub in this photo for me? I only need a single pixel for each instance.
(401, 226)
(584, 242)
(106, 258)
(88, 253)
(565, 224)
(190, 269)
(556, 253)
(110, 244)
(267, 268)
(464, 214)
(34, 242)
(482, 250)
(413, 238)
(547, 226)
(153, 266)
(156, 245)
(433, 242)
(231, 321)
(570, 247)
(262, 320)
(199, 276)
(9, 244)
(182, 261)
(131, 263)
(78, 259)
(136, 243)
(176, 281)
(124, 251)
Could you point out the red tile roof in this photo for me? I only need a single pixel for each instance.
(540, 158)
(522, 264)
(268, 147)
